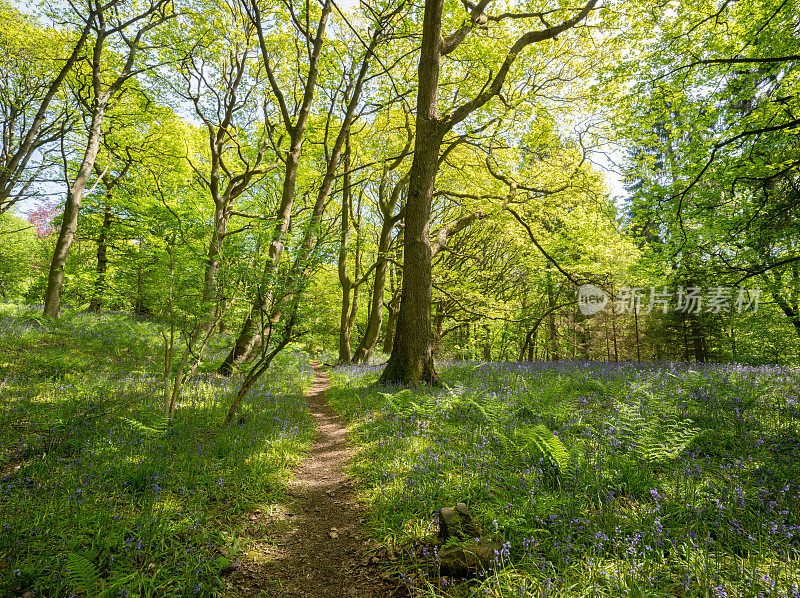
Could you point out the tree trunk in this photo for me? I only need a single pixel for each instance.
(375, 319)
(138, 306)
(394, 303)
(249, 336)
(614, 332)
(698, 339)
(345, 322)
(102, 260)
(411, 361)
(391, 322)
(532, 347)
(55, 279)
(551, 318)
(213, 259)
(686, 356)
(364, 351)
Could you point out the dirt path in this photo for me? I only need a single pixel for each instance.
(316, 548)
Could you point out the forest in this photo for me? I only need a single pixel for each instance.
(400, 298)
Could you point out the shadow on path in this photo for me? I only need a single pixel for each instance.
(321, 552)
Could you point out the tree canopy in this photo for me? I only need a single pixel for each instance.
(411, 179)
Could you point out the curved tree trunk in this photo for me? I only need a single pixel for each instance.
(344, 318)
(394, 304)
(349, 308)
(371, 334)
(69, 224)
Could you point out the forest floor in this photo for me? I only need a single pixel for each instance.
(316, 547)
(601, 479)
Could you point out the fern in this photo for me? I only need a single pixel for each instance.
(655, 437)
(158, 428)
(538, 441)
(425, 407)
(489, 410)
(81, 573)
(541, 442)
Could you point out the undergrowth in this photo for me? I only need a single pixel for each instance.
(598, 479)
(100, 494)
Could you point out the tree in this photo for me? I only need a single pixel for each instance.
(349, 286)
(387, 201)
(28, 87)
(18, 240)
(294, 124)
(715, 109)
(107, 23)
(411, 360)
(356, 77)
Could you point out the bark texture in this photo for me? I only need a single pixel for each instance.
(411, 361)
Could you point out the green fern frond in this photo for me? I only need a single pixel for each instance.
(398, 404)
(656, 436)
(542, 443)
(490, 416)
(81, 573)
(389, 401)
(158, 428)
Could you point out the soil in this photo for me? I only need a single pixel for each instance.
(316, 547)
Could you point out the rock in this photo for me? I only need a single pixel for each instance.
(457, 522)
(468, 558)
(470, 527)
(445, 523)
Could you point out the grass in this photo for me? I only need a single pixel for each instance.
(679, 481)
(596, 479)
(99, 493)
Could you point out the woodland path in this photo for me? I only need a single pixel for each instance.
(316, 548)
